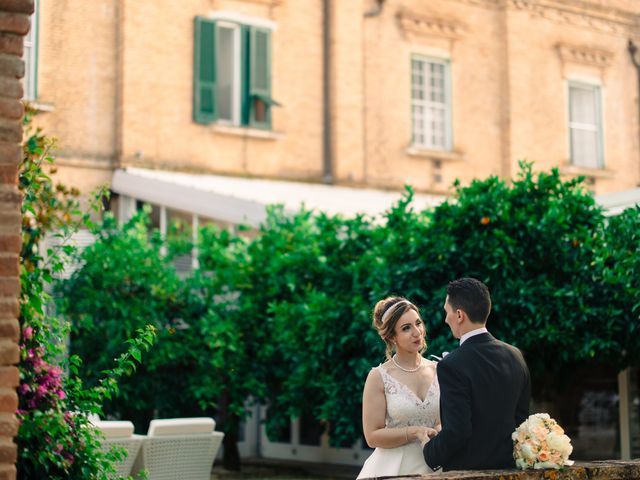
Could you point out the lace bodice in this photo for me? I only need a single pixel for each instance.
(404, 408)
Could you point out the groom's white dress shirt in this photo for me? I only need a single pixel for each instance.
(472, 333)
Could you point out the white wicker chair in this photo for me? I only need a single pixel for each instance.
(179, 448)
(121, 434)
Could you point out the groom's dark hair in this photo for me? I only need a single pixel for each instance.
(472, 296)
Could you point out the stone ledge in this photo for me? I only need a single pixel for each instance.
(600, 470)
(40, 106)
(574, 170)
(246, 132)
(442, 155)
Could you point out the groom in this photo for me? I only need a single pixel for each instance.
(484, 388)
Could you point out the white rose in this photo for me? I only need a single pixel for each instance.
(560, 443)
(541, 465)
(527, 452)
(521, 464)
(534, 421)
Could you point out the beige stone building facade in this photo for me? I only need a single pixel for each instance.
(354, 92)
(151, 95)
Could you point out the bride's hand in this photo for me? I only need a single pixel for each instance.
(438, 427)
(424, 434)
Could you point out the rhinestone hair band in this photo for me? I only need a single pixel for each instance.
(392, 309)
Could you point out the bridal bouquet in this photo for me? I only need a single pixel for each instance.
(539, 442)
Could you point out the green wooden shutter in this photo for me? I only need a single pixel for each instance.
(245, 68)
(260, 62)
(260, 69)
(204, 72)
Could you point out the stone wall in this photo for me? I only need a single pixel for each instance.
(601, 470)
(14, 24)
(116, 80)
(510, 64)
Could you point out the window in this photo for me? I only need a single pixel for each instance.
(30, 57)
(228, 66)
(430, 103)
(232, 77)
(585, 125)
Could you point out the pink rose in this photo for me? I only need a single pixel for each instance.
(27, 333)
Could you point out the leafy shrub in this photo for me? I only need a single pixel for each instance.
(55, 439)
(284, 315)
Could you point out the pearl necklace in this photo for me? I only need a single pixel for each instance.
(408, 370)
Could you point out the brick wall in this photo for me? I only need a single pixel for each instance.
(14, 24)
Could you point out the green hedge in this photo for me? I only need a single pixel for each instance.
(284, 315)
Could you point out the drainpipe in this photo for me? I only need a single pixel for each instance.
(633, 49)
(119, 80)
(327, 141)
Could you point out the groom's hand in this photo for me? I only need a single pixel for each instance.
(425, 434)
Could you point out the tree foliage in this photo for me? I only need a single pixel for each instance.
(284, 315)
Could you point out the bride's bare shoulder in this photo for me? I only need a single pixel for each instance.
(376, 371)
(387, 365)
(374, 380)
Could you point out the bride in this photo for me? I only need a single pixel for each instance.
(401, 398)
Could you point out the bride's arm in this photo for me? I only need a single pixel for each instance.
(374, 407)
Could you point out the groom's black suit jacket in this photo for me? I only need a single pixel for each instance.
(484, 395)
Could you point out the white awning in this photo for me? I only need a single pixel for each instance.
(238, 200)
(615, 203)
(243, 200)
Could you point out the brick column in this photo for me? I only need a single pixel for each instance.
(14, 24)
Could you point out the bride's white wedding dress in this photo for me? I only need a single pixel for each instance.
(404, 408)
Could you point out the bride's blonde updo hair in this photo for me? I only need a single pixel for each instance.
(386, 314)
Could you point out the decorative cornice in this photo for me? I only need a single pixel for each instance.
(419, 25)
(271, 3)
(490, 4)
(582, 13)
(584, 55)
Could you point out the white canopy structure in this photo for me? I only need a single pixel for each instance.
(615, 203)
(239, 200)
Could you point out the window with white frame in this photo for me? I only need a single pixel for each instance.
(232, 71)
(430, 103)
(585, 125)
(30, 57)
